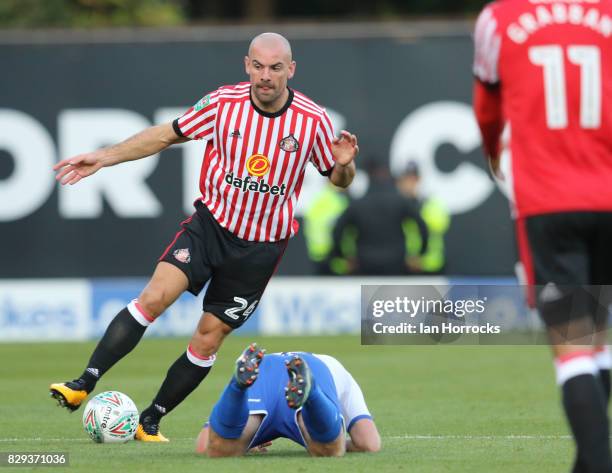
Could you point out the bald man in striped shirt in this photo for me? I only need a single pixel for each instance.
(259, 137)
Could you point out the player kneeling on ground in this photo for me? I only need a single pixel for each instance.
(312, 408)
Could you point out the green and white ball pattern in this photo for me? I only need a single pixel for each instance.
(110, 417)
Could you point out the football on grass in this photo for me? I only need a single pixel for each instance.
(110, 417)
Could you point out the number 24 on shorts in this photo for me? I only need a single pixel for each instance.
(234, 312)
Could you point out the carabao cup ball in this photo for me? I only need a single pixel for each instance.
(110, 417)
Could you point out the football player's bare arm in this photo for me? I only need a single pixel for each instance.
(211, 444)
(488, 110)
(149, 141)
(344, 150)
(364, 437)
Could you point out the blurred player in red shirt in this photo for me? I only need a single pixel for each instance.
(543, 69)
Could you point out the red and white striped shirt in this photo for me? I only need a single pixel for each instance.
(552, 60)
(254, 161)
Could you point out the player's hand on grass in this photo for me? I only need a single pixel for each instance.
(72, 170)
(345, 148)
(263, 448)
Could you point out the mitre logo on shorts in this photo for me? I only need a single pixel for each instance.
(258, 165)
(289, 144)
(182, 255)
(250, 184)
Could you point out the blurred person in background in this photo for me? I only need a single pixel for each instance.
(436, 217)
(377, 219)
(319, 222)
(545, 69)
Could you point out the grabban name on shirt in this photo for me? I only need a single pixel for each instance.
(249, 184)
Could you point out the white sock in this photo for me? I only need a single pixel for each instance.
(602, 358)
(575, 364)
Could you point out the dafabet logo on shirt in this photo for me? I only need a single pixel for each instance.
(258, 165)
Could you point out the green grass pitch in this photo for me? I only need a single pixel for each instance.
(438, 408)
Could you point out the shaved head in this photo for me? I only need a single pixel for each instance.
(271, 41)
(269, 65)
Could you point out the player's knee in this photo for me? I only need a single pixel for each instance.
(337, 448)
(219, 447)
(332, 449)
(209, 336)
(215, 450)
(206, 343)
(153, 301)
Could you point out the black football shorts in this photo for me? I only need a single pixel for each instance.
(568, 260)
(238, 270)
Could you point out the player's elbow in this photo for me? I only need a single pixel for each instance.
(167, 136)
(365, 436)
(372, 444)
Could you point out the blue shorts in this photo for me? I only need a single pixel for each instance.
(267, 397)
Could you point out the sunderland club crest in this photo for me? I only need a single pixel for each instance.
(289, 144)
(182, 255)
